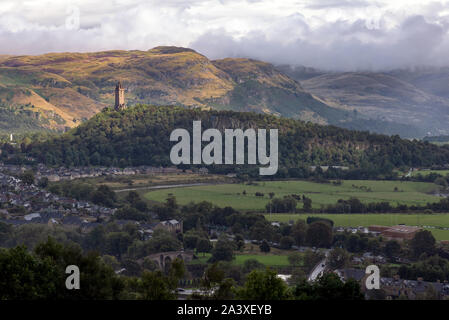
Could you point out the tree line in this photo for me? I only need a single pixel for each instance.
(140, 136)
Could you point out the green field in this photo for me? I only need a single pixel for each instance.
(410, 193)
(427, 172)
(355, 220)
(270, 260)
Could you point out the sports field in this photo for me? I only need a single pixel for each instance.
(427, 221)
(395, 192)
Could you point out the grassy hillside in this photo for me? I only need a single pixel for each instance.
(75, 86)
(400, 102)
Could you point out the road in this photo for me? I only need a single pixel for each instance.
(319, 269)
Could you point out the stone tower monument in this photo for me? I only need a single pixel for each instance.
(119, 97)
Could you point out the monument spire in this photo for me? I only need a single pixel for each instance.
(119, 96)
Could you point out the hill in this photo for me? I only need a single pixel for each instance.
(68, 88)
(140, 136)
(412, 103)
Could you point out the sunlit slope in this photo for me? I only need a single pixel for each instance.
(67, 88)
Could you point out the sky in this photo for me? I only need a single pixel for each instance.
(341, 35)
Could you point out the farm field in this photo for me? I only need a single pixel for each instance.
(427, 221)
(410, 193)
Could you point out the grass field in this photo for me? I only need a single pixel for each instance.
(417, 193)
(354, 220)
(426, 172)
(270, 260)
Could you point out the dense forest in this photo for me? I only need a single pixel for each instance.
(140, 136)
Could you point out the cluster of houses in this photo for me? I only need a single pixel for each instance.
(22, 203)
(42, 207)
(63, 173)
(397, 288)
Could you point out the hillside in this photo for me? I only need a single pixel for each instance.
(415, 102)
(432, 80)
(140, 136)
(68, 88)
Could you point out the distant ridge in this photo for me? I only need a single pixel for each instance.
(65, 89)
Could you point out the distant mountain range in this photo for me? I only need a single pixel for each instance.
(61, 90)
(413, 99)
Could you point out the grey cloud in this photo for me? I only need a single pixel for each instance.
(324, 4)
(291, 35)
(415, 42)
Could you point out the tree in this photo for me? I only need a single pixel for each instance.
(307, 203)
(43, 183)
(111, 261)
(154, 286)
(298, 232)
(392, 248)
(295, 259)
(287, 204)
(5, 231)
(239, 242)
(225, 290)
(329, 287)
(130, 213)
(311, 259)
(176, 272)
(223, 251)
(264, 246)
(24, 277)
(27, 177)
(190, 239)
(264, 285)
(117, 243)
(286, 242)
(41, 274)
(132, 268)
(338, 258)
(297, 277)
(163, 241)
(441, 182)
(203, 245)
(252, 264)
(149, 264)
(159, 286)
(261, 230)
(423, 242)
(132, 197)
(213, 276)
(104, 196)
(319, 234)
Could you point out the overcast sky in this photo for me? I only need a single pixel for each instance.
(327, 34)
